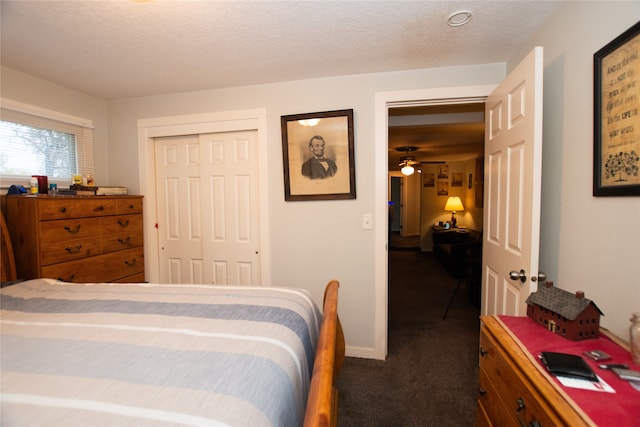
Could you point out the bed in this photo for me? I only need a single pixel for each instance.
(166, 355)
(157, 354)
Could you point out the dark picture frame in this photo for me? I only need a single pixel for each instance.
(479, 196)
(456, 179)
(318, 156)
(616, 134)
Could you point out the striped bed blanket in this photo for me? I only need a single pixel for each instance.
(151, 354)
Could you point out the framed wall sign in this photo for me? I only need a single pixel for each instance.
(318, 156)
(616, 152)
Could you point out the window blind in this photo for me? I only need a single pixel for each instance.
(44, 142)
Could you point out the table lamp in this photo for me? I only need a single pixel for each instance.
(453, 204)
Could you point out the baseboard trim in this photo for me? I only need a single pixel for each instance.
(363, 353)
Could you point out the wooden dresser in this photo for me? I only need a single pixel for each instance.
(513, 392)
(77, 238)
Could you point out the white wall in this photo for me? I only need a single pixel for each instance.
(311, 242)
(587, 243)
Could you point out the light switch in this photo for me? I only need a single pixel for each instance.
(367, 221)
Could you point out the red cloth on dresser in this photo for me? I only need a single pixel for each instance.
(619, 409)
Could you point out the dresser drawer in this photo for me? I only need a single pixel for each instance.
(76, 228)
(55, 251)
(136, 278)
(121, 223)
(102, 268)
(74, 207)
(129, 205)
(117, 242)
(491, 409)
(512, 386)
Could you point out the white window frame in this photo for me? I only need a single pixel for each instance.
(84, 137)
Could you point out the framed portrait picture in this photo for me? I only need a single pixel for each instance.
(456, 179)
(443, 188)
(479, 196)
(318, 156)
(443, 171)
(616, 139)
(428, 179)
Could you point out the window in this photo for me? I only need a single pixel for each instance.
(36, 141)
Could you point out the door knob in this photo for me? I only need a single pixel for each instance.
(518, 275)
(541, 277)
(522, 276)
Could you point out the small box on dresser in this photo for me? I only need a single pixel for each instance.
(77, 239)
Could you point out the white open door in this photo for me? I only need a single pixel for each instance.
(513, 169)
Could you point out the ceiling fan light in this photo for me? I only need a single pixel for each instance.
(407, 170)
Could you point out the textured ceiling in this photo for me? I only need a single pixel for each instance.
(121, 48)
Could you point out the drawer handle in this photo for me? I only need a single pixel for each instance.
(131, 206)
(482, 392)
(131, 263)
(99, 208)
(123, 224)
(63, 209)
(67, 280)
(521, 406)
(73, 250)
(483, 352)
(73, 231)
(126, 241)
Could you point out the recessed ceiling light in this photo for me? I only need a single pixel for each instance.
(461, 17)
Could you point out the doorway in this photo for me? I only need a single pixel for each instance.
(383, 102)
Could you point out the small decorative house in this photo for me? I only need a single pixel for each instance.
(569, 315)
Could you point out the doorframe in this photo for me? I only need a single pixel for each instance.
(195, 124)
(384, 101)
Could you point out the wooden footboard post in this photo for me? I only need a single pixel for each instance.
(322, 405)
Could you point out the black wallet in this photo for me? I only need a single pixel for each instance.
(567, 365)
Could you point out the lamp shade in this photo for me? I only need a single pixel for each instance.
(454, 204)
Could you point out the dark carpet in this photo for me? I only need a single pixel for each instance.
(430, 376)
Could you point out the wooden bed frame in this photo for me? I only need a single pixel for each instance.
(8, 265)
(322, 405)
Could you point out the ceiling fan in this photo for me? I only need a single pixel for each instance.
(407, 162)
